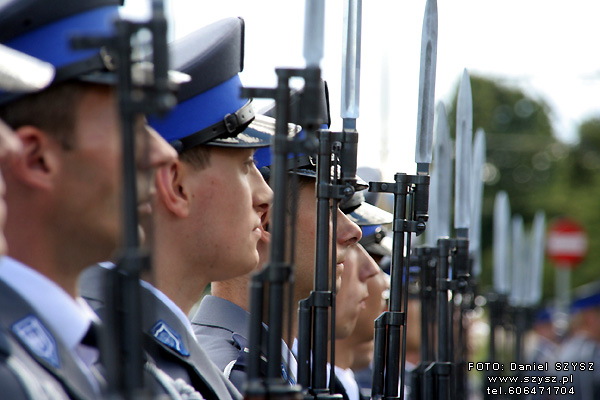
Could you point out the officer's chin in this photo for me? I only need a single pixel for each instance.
(3, 245)
(141, 235)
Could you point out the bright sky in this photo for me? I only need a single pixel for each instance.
(548, 48)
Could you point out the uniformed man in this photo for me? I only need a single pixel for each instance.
(221, 322)
(362, 338)
(210, 203)
(581, 349)
(64, 194)
(351, 301)
(355, 335)
(222, 319)
(9, 374)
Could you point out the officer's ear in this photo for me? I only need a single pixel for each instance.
(170, 190)
(38, 161)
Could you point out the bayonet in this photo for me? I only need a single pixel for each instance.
(441, 180)
(411, 204)
(501, 243)
(351, 52)
(427, 88)
(476, 200)
(464, 137)
(537, 258)
(519, 268)
(314, 32)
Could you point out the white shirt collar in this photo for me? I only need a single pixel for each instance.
(69, 319)
(174, 308)
(346, 377)
(289, 358)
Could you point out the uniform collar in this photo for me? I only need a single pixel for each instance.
(68, 318)
(163, 298)
(217, 311)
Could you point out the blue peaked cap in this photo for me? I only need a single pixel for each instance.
(375, 240)
(586, 302)
(43, 29)
(210, 110)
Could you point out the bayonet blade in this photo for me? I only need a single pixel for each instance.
(441, 180)
(477, 200)
(501, 243)
(351, 62)
(427, 88)
(314, 32)
(464, 137)
(538, 234)
(520, 271)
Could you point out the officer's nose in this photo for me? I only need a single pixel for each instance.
(160, 153)
(262, 195)
(368, 266)
(348, 233)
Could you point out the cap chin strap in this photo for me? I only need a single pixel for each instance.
(231, 125)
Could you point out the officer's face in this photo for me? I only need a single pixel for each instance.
(359, 268)
(375, 304)
(89, 205)
(228, 208)
(9, 146)
(348, 233)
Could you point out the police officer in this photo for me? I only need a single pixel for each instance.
(355, 335)
(362, 338)
(210, 202)
(351, 300)
(63, 193)
(221, 322)
(582, 346)
(222, 319)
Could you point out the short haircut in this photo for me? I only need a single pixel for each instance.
(52, 110)
(198, 156)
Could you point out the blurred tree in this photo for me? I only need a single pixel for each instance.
(582, 187)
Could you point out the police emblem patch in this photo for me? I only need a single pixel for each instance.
(169, 337)
(32, 332)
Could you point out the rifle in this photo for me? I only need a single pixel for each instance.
(440, 376)
(462, 215)
(527, 265)
(121, 341)
(497, 298)
(278, 271)
(438, 227)
(342, 148)
(411, 198)
(468, 293)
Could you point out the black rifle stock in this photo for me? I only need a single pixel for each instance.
(278, 271)
(121, 341)
(389, 356)
(427, 260)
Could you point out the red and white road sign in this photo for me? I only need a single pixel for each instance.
(567, 243)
